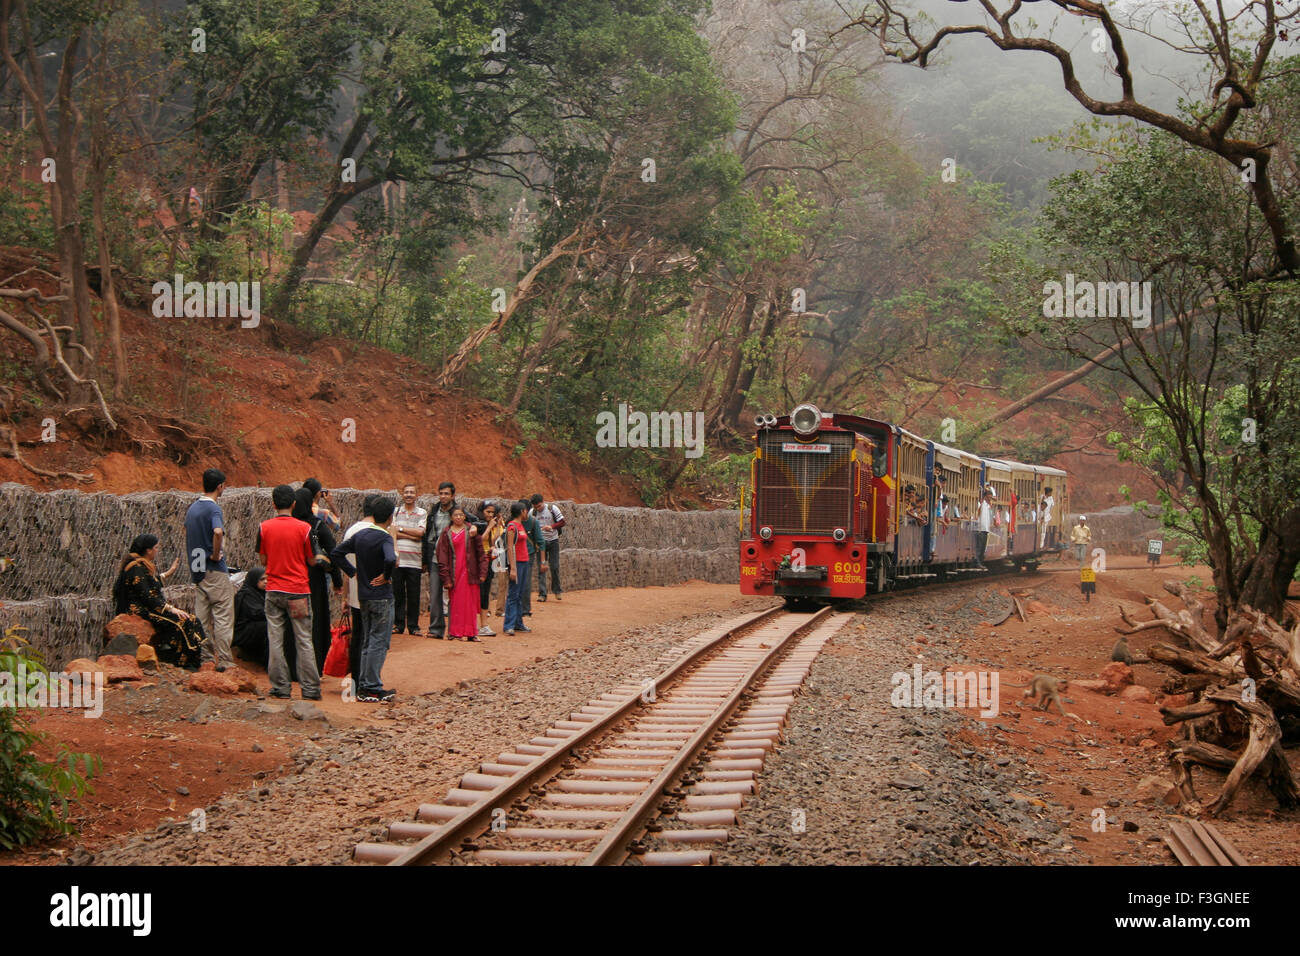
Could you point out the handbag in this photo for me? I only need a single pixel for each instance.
(337, 662)
(300, 607)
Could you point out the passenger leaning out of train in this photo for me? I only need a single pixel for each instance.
(1045, 509)
(914, 503)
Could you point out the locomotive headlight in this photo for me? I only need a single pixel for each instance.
(839, 534)
(765, 533)
(806, 420)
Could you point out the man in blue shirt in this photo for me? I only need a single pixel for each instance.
(214, 595)
(375, 560)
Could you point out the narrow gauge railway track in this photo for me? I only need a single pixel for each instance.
(586, 790)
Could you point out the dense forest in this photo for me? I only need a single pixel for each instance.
(677, 206)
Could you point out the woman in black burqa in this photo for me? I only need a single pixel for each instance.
(250, 617)
(316, 576)
(178, 636)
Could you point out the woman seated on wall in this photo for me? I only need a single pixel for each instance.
(178, 636)
(250, 617)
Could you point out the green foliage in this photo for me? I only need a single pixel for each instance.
(34, 793)
(24, 215)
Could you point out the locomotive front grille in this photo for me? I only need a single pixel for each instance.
(805, 491)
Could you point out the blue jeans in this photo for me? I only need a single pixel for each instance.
(515, 596)
(377, 619)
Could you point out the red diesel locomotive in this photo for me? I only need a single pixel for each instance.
(841, 506)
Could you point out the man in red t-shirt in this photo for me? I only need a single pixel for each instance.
(284, 544)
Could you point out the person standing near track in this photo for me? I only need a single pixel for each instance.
(214, 595)
(551, 521)
(985, 525)
(284, 544)
(408, 528)
(536, 551)
(1081, 537)
(460, 561)
(494, 527)
(437, 522)
(376, 561)
(517, 555)
(358, 638)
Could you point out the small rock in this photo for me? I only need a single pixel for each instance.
(202, 712)
(122, 644)
(306, 710)
(183, 791)
(1137, 693)
(146, 657)
(1130, 826)
(256, 748)
(1117, 676)
(1157, 790)
(82, 666)
(1084, 791)
(120, 667)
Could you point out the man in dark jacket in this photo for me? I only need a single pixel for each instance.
(536, 550)
(376, 559)
(437, 522)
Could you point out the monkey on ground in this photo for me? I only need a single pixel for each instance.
(1120, 652)
(1046, 689)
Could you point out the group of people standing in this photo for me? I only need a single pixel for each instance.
(379, 561)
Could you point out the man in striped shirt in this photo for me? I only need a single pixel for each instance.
(408, 530)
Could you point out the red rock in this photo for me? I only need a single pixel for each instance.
(120, 667)
(82, 666)
(246, 682)
(1117, 676)
(137, 627)
(1176, 700)
(146, 657)
(1096, 686)
(1138, 694)
(210, 682)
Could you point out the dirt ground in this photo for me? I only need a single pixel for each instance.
(1092, 758)
(152, 733)
(1097, 760)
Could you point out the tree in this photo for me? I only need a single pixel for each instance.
(1217, 375)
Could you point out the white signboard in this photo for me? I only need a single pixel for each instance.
(795, 446)
(1155, 546)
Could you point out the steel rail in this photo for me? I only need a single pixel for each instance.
(612, 849)
(478, 817)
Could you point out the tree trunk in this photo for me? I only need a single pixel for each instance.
(464, 354)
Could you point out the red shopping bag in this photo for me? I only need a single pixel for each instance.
(337, 663)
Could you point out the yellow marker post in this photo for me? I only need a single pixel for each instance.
(1088, 583)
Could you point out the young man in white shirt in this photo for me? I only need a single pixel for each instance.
(1047, 503)
(408, 533)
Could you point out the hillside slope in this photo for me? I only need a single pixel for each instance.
(271, 405)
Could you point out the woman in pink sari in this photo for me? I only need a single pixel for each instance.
(462, 568)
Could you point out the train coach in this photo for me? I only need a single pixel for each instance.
(841, 506)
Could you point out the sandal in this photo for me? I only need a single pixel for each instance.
(474, 639)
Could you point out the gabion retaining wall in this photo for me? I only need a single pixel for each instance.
(65, 548)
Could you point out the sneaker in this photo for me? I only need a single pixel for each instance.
(510, 633)
(276, 694)
(486, 631)
(311, 696)
(542, 598)
(385, 695)
(525, 630)
(558, 598)
(367, 698)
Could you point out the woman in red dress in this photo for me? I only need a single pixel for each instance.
(462, 568)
